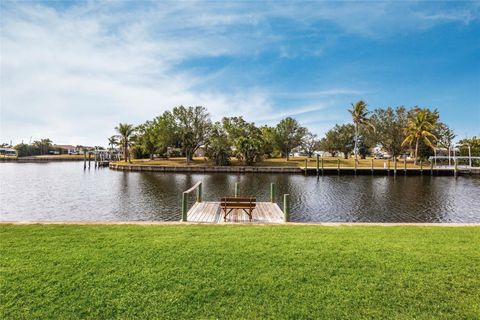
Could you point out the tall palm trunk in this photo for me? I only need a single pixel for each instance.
(125, 151)
(416, 150)
(356, 143)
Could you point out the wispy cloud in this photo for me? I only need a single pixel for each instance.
(319, 93)
(72, 73)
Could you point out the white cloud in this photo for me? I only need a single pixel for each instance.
(72, 74)
(68, 77)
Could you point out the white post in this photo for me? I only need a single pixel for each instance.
(454, 155)
(449, 160)
(469, 156)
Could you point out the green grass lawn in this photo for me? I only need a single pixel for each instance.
(277, 272)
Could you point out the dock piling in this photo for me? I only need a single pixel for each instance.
(184, 206)
(372, 165)
(306, 165)
(286, 207)
(322, 166)
(236, 189)
(431, 167)
(394, 166)
(338, 166)
(84, 160)
(199, 193)
(272, 192)
(405, 165)
(318, 164)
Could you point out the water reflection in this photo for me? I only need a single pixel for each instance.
(63, 191)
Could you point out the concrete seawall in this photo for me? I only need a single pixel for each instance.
(297, 170)
(202, 169)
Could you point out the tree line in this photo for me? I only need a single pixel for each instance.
(44, 147)
(189, 128)
(397, 131)
(37, 147)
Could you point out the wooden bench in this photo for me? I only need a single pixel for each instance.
(228, 204)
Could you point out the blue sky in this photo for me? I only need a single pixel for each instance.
(71, 71)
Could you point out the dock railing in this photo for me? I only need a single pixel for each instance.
(397, 165)
(198, 187)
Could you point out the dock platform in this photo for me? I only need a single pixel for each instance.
(210, 212)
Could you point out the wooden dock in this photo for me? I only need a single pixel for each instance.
(210, 212)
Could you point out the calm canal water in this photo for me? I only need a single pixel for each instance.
(64, 191)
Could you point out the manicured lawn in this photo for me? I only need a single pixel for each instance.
(277, 272)
(279, 162)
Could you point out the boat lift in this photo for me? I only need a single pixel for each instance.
(102, 158)
(455, 158)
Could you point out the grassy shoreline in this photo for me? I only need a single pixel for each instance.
(188, 271)
(294, 162)
(298, 162)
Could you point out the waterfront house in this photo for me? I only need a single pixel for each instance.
(8, 152)
(65, 149)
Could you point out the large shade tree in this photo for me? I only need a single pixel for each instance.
(146, 139)
(390, 124)
(309, 143)
(192, 126)
(246, 138)
(339, 138)
(344, 136)
(470, 147)
(125, 133)
(445, 137)
(327, 143)
(154, 137)
(219, 146)
(43, 145)
(164, 132)
(269, 140)
(289, 135)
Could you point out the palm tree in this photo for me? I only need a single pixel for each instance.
(125, 132)
(418, 128)
(112, 141)
(360, 119)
